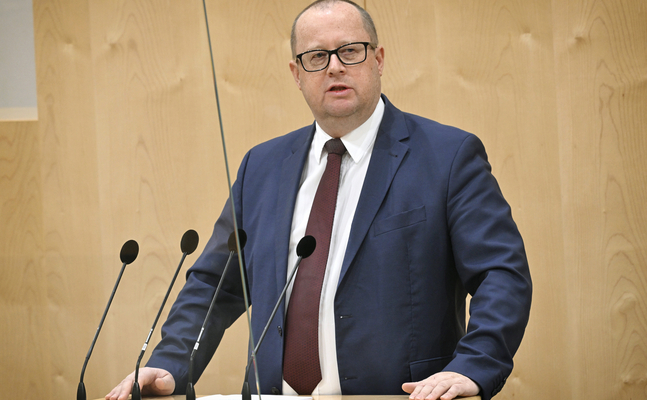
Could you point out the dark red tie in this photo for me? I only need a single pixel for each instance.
(301, 369)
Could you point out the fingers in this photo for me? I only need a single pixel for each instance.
(443, 386)
(442, 390)
(153, 381)
(122, 391)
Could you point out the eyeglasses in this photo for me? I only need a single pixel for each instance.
(348, 54)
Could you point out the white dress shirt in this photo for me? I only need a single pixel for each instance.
(359, 145)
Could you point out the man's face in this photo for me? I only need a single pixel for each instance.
(341, 97)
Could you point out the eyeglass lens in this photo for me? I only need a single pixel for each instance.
(353, 53)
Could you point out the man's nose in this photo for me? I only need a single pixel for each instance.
(335, 65)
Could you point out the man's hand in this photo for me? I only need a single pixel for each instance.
(152, 381)
(443, 385)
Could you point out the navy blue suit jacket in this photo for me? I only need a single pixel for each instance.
(431, 226)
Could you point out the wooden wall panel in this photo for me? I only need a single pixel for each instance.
(409, 36)
(163, 169)
(127, 146)
(601, 65)
(70, 258)
(255, 80)
(23, 302)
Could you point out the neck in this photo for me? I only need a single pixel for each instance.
(338, 127)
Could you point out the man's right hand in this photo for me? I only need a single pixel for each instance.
(152, 381)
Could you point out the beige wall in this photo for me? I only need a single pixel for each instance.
(127, 147)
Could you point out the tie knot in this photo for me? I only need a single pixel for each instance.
(335, 146)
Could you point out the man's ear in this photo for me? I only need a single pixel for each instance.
(294, 68)
(379, 57)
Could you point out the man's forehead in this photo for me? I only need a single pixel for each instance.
(320, 23)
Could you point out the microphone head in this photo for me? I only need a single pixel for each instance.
(189, 241)
(231, 243)
(129, 252)
(306, 246)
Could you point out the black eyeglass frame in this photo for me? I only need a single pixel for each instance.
(334, 52)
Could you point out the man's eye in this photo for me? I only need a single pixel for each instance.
(318, 55)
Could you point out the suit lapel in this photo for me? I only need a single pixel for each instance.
(388, 154)
(291, 171)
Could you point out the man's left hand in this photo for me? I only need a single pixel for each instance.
(443, 385)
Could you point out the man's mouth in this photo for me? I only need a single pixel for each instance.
(338, 88)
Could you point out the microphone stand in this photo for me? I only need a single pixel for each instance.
(233, 249)
(188, 245)
(129, 252)
(305, 248)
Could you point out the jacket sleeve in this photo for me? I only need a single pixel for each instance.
(491, 262)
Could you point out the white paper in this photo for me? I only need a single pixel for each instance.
(254, 397)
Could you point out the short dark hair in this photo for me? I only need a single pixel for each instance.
(369, 26)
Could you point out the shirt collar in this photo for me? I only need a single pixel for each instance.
(358, 142)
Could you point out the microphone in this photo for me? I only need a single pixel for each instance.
(129, 252)
(305, 248)
(188, 244)
(233, 249)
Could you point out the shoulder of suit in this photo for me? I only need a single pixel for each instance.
(422, 128)
(428, 130)
(286, 141)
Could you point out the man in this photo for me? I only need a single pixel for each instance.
(419, 221)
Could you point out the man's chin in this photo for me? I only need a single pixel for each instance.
(341, 108)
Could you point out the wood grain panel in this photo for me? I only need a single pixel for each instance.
(252, 49)
(23, 300)
(408, 34)
(71, 259)
(602, 68)
(161, 171)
